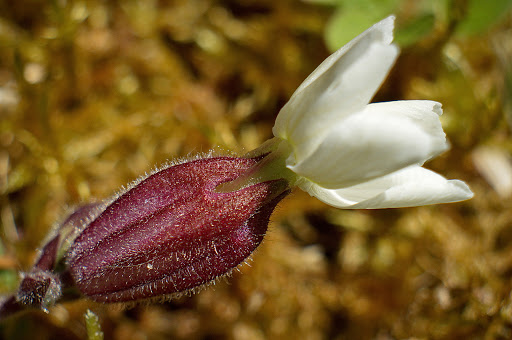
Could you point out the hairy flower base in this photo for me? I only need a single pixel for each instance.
(173, 232)
(39, 289)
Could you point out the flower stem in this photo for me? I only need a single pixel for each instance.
(93, 326)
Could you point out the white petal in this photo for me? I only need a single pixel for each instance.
(409, 187)
(344, 83)
(380, 32)
(379, 140)
(424, 113)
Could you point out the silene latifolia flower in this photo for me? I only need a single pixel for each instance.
(188, 223)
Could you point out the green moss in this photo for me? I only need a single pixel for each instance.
(94, 93)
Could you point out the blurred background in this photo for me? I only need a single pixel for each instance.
(95, 93)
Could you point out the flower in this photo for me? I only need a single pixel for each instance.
(187, 224)
(353, 155)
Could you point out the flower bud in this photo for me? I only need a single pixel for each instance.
(173, 232)
(39, 288)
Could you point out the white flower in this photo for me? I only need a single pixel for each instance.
(351, 154)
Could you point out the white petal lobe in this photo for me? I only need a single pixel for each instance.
(383, 138)
(343, 84)
(380, 32)
(423, 113)
(413, 186)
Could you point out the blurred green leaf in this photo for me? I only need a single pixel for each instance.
(415, 30)
(481, 15)
(353, 17)
(369, 4)
(326, 2)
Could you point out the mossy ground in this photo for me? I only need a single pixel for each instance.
(95, 93)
